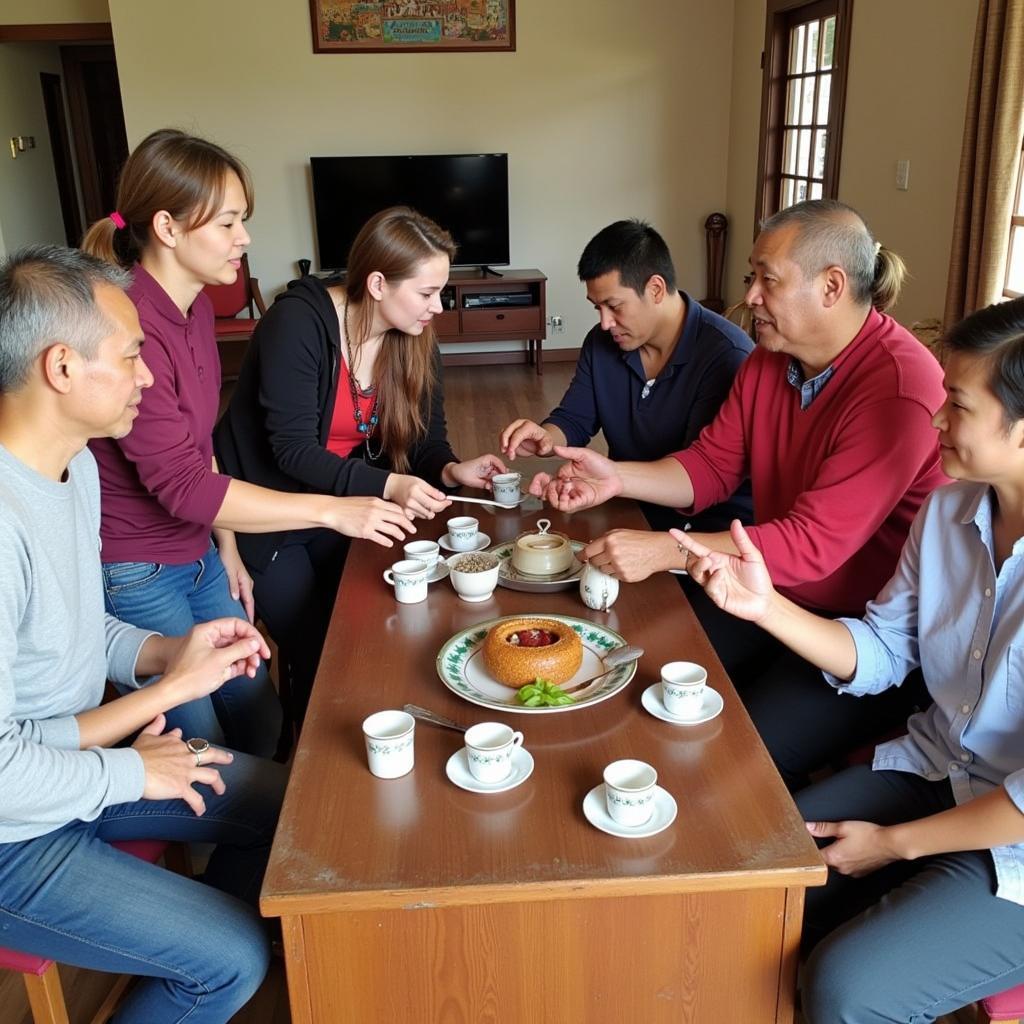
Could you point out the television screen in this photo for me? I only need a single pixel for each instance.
(466, 193)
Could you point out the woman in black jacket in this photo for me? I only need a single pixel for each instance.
(340, 393)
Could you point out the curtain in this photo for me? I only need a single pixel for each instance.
(989, 159)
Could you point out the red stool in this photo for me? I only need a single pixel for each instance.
(42, 980)
(1007, 1006)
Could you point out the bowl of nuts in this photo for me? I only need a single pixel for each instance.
(474, 575)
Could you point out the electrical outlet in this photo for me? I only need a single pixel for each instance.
(557, 324)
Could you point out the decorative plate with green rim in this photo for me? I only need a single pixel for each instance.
(461, 668)
(509, 576)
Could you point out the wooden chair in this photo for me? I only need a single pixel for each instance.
(41, 976)
(1008, 1007)
(234, 331)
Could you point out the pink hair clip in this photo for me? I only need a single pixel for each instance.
(118, 220)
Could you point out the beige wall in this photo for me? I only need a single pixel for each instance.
(906, 97)
(29, 203)
(52, 12)
(605, 110)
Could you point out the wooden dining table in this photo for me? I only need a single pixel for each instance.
(413, 900)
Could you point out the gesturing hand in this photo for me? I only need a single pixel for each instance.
(524, 437)
(369, 519)
(738, 584)
(171, 769)
(860, 847)
(587, 479)
(631, 555)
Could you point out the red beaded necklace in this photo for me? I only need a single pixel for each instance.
(366, 428)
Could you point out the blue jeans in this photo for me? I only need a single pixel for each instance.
(916, 939)
(244, 714)
(201, 949)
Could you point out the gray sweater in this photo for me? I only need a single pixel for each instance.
(57, 648)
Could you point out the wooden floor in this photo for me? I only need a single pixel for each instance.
(479, 401)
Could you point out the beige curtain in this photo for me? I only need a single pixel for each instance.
(989, 158)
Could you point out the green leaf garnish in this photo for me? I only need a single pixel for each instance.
(542, 693)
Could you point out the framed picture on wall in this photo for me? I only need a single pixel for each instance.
(422, 26)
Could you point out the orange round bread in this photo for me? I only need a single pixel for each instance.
(516, 666)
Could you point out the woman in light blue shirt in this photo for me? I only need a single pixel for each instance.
(923, 911)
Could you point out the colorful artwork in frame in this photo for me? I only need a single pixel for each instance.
(424, 26)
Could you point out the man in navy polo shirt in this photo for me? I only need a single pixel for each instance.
(651, 374)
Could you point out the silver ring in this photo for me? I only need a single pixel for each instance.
(198, 746)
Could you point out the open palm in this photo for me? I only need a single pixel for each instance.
(738, 584)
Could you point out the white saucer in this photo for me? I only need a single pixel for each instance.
(439, 572)
(482, 541)
(710, 708)
(595, 809)
(458, 771)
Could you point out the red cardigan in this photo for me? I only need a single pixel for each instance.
(837, 485)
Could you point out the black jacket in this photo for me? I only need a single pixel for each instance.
(274, 431)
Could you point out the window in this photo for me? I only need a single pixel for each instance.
(802, 100)
(1013, 287)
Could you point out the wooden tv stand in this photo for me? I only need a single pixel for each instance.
(460, 323)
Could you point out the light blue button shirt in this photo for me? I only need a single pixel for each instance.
(949, 611)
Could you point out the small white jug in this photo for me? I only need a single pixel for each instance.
(598, 589)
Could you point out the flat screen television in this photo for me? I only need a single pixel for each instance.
(465, 193)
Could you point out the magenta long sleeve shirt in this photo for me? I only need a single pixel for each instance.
(159, 494)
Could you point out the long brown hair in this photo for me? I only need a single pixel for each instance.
(171, 171)
(394, 243)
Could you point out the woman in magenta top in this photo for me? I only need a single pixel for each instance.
(168, 516)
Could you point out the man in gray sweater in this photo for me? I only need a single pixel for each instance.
(71, 369)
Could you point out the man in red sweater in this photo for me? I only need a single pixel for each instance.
(831, 420)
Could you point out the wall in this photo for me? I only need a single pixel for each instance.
(605, 110)
(29, 202)
(52, 12)
(906, 97)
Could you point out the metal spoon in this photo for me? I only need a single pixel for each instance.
(613, 659)
(489, 501)
(432, 716)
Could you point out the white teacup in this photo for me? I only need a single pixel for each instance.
(477, 585)
(598, 589)
(629, 791)
(506, 487)
(409, 578)
(682, 688)
(389, 739)
(463, 533)
(489, 750)
(425, 551)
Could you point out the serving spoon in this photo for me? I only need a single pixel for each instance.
(615, 658)
(432, 716)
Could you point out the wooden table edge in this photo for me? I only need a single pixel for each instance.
(285, 904)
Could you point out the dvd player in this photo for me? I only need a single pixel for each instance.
(486, 299)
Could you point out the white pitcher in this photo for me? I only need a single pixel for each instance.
(598, 589)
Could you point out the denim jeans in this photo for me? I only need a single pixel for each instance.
(244, 714)
(201, 949)
(913, 940)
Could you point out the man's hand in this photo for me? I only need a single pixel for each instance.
(633, 555)
(171, 769)
(739, 584)
(210, 654)
(859, 847)
(586, 480)
(415, 496)
(474, 472)
(369, 519)
(524, 437)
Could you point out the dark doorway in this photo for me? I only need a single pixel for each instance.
(60, 143)
(97, 124)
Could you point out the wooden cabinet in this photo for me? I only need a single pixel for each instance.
(474, 311)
